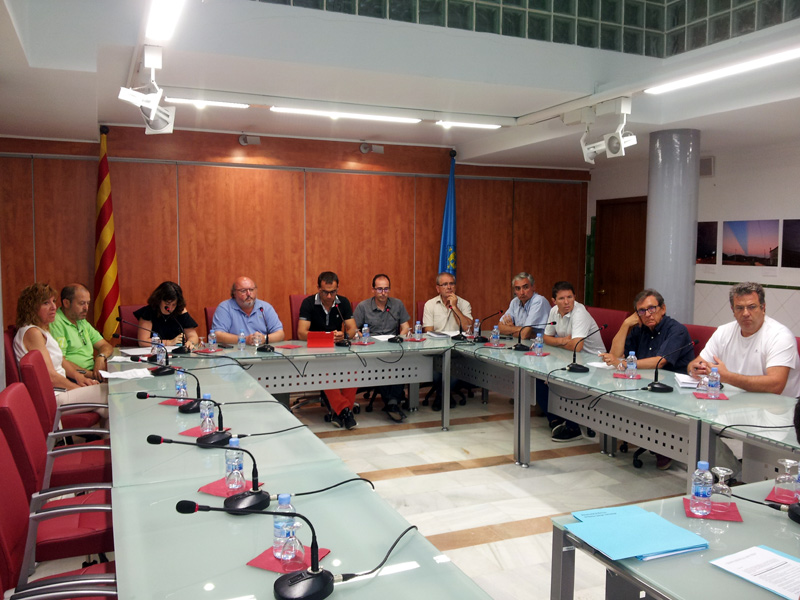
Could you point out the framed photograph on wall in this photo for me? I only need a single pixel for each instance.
(790, 251)
(750, 243)
(707, 242)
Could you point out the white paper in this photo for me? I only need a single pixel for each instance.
(768, 568)
(129, 374)
(686, 381)
(383, 338)
(599, 365)
(123, 359)
(440, 334)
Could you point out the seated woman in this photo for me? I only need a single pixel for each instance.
(166, 315)
(36, 309)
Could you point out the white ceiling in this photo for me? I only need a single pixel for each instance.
(64, 62)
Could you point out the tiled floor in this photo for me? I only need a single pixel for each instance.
(464, 493)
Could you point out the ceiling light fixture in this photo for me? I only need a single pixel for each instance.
(614, 143)
(449, 124)
(201, 104)
(157, 119)
(342, 115)
(163, 19)
(744, 67)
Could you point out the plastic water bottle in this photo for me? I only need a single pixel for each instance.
(365, 334)
(207, 424)
(702, 480)
(417, 331)
(242, 341)
(538, 345)
(476, 328)
(713, 384)
(154, 341)
(204, 405)
(234, 466)
(630, 370)
(282, 526)
(495, 340)
(212, 340)
(180, 383)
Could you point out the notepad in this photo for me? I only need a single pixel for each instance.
(770, 569)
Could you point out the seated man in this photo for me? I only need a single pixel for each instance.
(528, 310)
(385, 315)
(445, 312)
(652, 336)
(326, 311)
(81, 344)
(244, 312)
(573, 323)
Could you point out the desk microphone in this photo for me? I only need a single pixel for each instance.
(519, 346)
(312, 584)
(161, 370)
(397, 339)
(460, 337)
(482, 339)
(265, 347)
(574, 367)
(215, 438)
(252, 499)
(346, 341)
(656, 385)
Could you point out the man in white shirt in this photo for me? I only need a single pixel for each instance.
(445, 311)
(754, 352)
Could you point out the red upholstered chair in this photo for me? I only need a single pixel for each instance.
(295, 300)
(128, 331)
(86, 532)
(12, 369)
(608, 316)
(701, 333)
(20, 531)
(66, 463)
(209, 310)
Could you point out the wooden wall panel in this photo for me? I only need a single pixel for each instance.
(549, 234)
(16, 231)
(483, 253)
(237, 221)
(358, 226)
(430, 198)
(146, 227)
(65, 193)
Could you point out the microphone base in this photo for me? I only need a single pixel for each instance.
(661, 388)
(181, 350)
(342, 343)
(481, 339)
(459, 337)
(193, 406)
(215, 438)
(265, 348)
(395, 340)
(162, 370)
(304, 585)
(521, 347)
(249, 500)
(576, 368)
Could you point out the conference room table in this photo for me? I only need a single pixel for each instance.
(163, 554)
(683, 576)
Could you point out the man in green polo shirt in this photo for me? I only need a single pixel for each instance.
(81, 343)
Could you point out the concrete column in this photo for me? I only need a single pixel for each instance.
(672, 195)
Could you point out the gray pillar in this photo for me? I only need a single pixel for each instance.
(672, 194)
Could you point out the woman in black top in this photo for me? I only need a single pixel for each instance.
(166, 315)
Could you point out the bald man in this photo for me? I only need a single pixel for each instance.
(243, 312)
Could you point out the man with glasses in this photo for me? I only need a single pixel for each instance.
(527, 309)
(245, 312)
(445, 311)
(82, 345)
(385, 316)
(327, 311)
(754, 352)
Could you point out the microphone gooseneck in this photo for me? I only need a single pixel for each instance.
(656, 385)
(397, 338)
(265, 347)
(160, 370)
(460, 337)
(519, 346)
(482, 339)
(182, 349)
(574, 367)
(346, 341)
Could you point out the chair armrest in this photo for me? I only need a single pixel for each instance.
(107, 580)
(39, 498)
(46, 514)
(62, 433)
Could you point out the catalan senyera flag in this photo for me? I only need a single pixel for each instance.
(447, 250)
(106, 280)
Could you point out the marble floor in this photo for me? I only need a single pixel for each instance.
(464, 493)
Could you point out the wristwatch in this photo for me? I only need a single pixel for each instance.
(103, 356)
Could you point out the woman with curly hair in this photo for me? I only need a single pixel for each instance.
(36, 309)
(166, 315)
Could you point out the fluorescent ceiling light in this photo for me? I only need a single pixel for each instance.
(201, 104)
(342, 115)
(750, 65)
(163, 18)
(449, 124)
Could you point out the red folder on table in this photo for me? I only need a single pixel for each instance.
(320, 339)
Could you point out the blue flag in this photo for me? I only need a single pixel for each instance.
(447, 250)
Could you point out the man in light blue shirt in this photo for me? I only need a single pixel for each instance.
(527, 310)
(244, 312)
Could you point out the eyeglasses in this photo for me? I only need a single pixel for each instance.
(749, 308)
(647, 311)
(328, 293)
(382, 290)
(446, 284)
(83, 336)
(246, 290)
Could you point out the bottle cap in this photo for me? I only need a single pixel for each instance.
(714, 370)
(284, 499)
(702, 465)
(206, 396)
(234, 441)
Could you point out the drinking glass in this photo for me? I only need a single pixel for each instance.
(786, 483)
(201, 344)
(293, 555)
(720, 491)
(702, 385)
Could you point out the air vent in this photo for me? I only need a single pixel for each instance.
(707, 166)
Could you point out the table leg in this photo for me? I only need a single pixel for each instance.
(524, 390)
(446, 390)
(562, 570)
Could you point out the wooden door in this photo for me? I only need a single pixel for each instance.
(619, 251)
